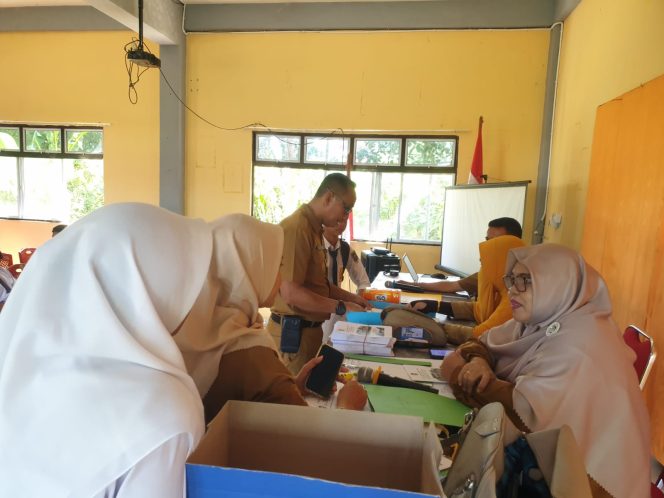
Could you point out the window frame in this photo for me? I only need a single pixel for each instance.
(336, 167)
(21, 153)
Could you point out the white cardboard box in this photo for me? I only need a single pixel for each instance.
(295, 451)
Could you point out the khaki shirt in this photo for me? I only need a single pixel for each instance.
(303, 261)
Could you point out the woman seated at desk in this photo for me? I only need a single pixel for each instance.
(562, 360)
(492, 307)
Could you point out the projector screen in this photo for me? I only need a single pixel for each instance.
(468, 210)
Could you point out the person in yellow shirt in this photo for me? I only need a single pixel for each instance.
(492, 306)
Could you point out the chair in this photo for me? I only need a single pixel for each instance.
(16, 269)
(6, 260)
(644, 347)
(25, 255)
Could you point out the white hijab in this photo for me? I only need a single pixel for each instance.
(91, 380)
(580, 374)
(225, 318)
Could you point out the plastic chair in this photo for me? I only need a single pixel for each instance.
(25, 255)
(6, 260)
(16, 269)
(644, 347)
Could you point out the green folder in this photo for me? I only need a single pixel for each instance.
(429, 406)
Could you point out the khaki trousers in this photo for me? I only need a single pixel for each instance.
(309, 345)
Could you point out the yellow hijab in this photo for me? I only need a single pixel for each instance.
(492, 307)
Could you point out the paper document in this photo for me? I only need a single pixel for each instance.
(424, 374)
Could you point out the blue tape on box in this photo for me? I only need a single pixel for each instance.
(364, 317)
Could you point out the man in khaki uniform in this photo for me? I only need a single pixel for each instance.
(305, 293)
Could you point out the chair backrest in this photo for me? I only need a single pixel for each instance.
(25, 255)
(6, 260)
(16, 269)
(644, 347)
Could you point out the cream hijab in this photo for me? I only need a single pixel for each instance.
(578, 372)
(91, 380)
(225, 318)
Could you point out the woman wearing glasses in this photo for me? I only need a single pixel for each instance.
(561, 360)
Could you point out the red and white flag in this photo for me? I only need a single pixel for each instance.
(475, 175)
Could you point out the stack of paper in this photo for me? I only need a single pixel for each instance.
(374, 340)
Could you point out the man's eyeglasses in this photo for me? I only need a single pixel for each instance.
(347, 209)
(519, 281)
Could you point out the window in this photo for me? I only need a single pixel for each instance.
(52, 173)
(400, 179)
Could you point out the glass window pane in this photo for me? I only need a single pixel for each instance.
(376, 212)
(9, 187)
(429, 152)
(280, 191)
(45, 196)
(84, 179)
(422, 202)
(278, 148)
(378, 151)
(9, 138)
(42, 140)
(84, 141)
(326, 150)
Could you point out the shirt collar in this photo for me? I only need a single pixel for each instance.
(311, 217)
(330, 246)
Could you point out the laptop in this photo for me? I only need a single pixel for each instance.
(411, 268)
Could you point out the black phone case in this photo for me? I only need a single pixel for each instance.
(322, 376)
(291, 333)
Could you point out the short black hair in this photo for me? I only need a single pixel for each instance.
(58, 228)
(337, 183)
(511, 226)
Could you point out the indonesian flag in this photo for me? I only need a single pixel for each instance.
(475, 175)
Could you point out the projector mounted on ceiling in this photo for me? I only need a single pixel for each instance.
(139, 55)
(142, 58)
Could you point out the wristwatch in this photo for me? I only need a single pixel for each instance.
(340, 309)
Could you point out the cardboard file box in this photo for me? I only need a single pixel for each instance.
(260, 449)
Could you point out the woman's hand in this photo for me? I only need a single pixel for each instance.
(451, 362)
(303, 374)
(475, 375)
(352, 396)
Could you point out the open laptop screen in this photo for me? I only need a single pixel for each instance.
(410, 267)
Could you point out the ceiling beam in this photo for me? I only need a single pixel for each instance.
(56, 19)
(398, 15)
(162, 20)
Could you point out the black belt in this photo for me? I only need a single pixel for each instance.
(306, 324)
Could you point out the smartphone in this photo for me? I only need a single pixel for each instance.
(439, 354)
(322, 376)
(291, 333)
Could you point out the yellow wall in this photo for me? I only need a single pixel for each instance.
(609, 47)
(69, 78)
(378, 80)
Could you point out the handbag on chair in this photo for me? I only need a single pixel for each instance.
(496, 460)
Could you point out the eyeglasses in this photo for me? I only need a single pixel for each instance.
(347, 209)
(519, 281)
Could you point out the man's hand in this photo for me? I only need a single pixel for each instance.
(350, 306)
(352, 396)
